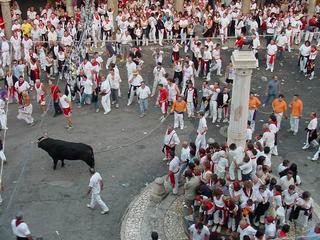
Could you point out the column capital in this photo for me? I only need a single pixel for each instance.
(5, 1)
(243, 59)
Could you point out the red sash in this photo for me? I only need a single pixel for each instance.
(272, 58)
(171, 177)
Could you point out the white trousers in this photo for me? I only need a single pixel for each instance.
(213, 110)
(217, 66)
(190, 109)
(152, 35)
(6, 60)
(218, 217)
(2, 157)
(154, 86)
(200, 141)
(294, 124)
(251, 119)
(279, 118)
(17, 53)
(270, 66)
(95, 198)
(105, 102)
(178, 120)
(233, 171)
(176, 183)
(26, 114)
(3, 120)
(303, 64)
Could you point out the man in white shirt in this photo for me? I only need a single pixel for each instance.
(135, 82)
(87, 86)
(311, 131)
(95, 187)
(271, 55)
(174, 170)
(198, 231)
(15, 41)
(114, 80)
(158, 72)
(143, 94)
(282, 42)
(105, 91)
(20, 229)
(5, 48)
(235, 156)
(304, 55)
(201, 131)
(245, 229)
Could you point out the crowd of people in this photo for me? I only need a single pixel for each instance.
(225, 185)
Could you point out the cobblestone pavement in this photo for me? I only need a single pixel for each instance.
(127, 151)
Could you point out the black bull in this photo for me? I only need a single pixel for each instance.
(62, 150)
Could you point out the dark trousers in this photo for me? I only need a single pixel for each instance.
(57, 108)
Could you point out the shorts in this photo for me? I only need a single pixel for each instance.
(67, 112)
(42, 100)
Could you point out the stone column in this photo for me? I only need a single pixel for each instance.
(311, 8)
(245, 7)
(243, 62)
(178, 5)
(6, 14)
(70, 8)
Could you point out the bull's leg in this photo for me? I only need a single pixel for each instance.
(62, 163)
(55, 161)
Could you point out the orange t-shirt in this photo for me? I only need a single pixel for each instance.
(279, 106)
(296, 108)
(254, 103)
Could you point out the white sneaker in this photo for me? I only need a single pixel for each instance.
(89, 206)
(314, 159)
(104, 211)
(214, 228)
(305, 146)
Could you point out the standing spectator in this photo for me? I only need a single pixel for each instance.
(20, 229)
(311, 131)
(105, 91)
(143, 94)
(296, 106)
(95, 187)
(279, 107)
(198, 231)
(179, 107)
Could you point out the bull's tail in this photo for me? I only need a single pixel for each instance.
(92, 156)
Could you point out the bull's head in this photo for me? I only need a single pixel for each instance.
(45, 135)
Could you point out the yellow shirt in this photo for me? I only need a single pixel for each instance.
(279, 106)
(179, 107)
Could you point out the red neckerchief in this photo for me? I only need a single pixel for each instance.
(18, 222)
(20, 83)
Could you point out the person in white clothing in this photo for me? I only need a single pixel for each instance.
(271, 55)
(95, 187)
(158, 73)
(5, 50)
(105, 92)
(311, 131)
(304, 55)
(3, 114)
(135, 82)
(86, 85)
(174, 170)
(143, 94)
(20, 229)
(201, 132)
(215, 90)
(25, 113)
(217, 59)
(114, 80)
(66, 107)
(198, 231)
(16, 45)
(236, 155)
